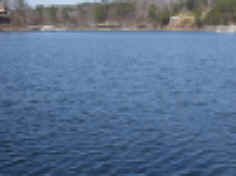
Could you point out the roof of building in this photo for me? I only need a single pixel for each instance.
(2, 8)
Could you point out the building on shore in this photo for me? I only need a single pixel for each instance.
(182, 21)
(4, 14)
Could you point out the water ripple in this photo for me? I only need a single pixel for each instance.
(117, 104)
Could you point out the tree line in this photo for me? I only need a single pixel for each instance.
(122, 12)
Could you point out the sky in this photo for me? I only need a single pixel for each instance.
(48, 2)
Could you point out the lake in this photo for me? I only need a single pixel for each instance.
(117, 104)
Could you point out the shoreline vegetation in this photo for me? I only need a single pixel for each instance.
(123, 15)
(50, 28)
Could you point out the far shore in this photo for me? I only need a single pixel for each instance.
(51, 28)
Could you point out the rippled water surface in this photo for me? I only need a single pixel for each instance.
(117, 104)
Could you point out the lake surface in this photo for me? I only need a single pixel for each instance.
(117, 104)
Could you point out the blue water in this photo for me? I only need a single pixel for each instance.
(117, 104)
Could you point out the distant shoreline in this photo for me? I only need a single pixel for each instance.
(51, 28)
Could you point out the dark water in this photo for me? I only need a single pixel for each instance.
(117, 104)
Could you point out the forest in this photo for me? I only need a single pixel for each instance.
(123, 13)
